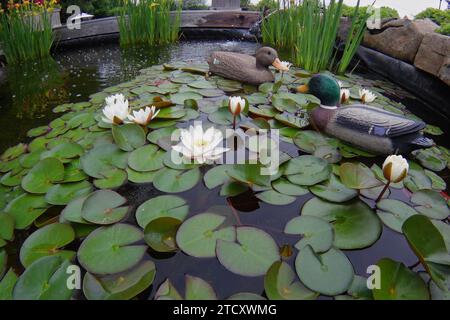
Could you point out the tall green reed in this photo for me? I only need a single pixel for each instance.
(26, 35)
(354, 38)
(148, 22)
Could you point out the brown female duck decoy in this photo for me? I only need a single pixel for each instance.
(246, 68)
(369, 128)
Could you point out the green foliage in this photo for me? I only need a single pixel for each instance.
(444, 29)
(148, 23)
(267, 4)
(194, 5)
(26, 35)
(99, 8)
(386, 12)
(441, 17)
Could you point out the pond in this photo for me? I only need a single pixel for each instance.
(253, 209)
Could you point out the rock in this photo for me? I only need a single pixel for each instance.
(400, 38)
(433, 56)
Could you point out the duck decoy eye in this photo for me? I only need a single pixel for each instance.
(269, 53)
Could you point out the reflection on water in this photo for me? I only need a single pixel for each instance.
(28, 93)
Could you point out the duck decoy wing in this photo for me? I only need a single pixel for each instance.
(375, 121)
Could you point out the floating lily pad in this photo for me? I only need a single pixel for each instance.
(222, 117)
(217, 176)
(43, 175)
(437, 183)
(355, 224)
(329, 273)
(174, 181)
(7, 285)
(72, 212)
(160, 234)
(64, 151)
(146, 158)
(252, 255)
(26, 208)
(431, 204)
(112, 178)
(444, 229)
(282, 185)
(431, 158)
(44, 279)
(231, 189)
(275, 198)
(104, 207)
(155, 135)
(140, 177)
(6, 228)
(161, 206)
(308, 141)
(294, 121)
(47, 241)
(357, 176)
(394, 213)
(307, 170)
(280, 284)
(198, 235)
(103, 158)
(246, 296)
(121, 286)
(179, 98)
(62, 194)
(333, 190)
(109, 250)
(198, 289)
(73, 172)
(128, 136)
(315, 232)
(399, 283)
(250, 174)
(167, 291)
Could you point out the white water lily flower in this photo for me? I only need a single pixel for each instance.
(116, 110)
(201, 146)
(286, 65)
(143, 116)
(340, 83)
(236, 105)
(366, 96)
(345, 95)
(395, 168)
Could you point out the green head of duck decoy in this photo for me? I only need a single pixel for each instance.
(267, 56)
(325, 88)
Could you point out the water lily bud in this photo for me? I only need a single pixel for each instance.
(395, 168)
(236, 105)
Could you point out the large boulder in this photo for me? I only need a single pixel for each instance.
(400, 38)
(433, 56)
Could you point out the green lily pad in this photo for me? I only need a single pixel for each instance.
(246, 296)
(62, 194)
(155, 135)
(128, 136)
(431, 158)
(73, 172)
(275, 198)
(3, 261)
(333, 190)
(231, 189)
(329, 273)
(217, 176)
(198, 289)
(171, 113)
(174, 181)
(307, 170)
(161, 206)
(308, 141)
(44, 279)
(109, 250)
(229, 85)
(294, 121)
(280, 284)
(72, 212)
(140, 177)
(103, 158)
(104, 207)
(429, 246)
(315, 232)
(198, 235)
(222, 116)
(7, 285)
(264, 111)
(167, 291)
(6, 228)
(13, 152)
(358, 176)
(43, 175)
(160, 234)
(112, 178)
(146, 158)
(431, 204)
(252, 255)
(283, 186)
(64, 151)
(444, 229)
(47, 241)
(121, 286)
(394, 213)
(355, 224)
(399, 283)
(26, 208)
(179, 98)
(437, 183)
(250, 174)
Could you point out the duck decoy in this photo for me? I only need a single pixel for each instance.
(246, 68)
(373, 129)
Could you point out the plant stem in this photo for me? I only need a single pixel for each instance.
(383, 192)
(234, 122)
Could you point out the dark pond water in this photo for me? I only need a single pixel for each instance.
(29, 93)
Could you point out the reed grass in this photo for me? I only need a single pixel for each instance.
(148, 22)
(309, 29)
(26, 35)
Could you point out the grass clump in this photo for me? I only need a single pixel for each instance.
(148, 22)
(26, 31)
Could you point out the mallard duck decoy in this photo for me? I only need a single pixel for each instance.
(369, 128)
(244, 67)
